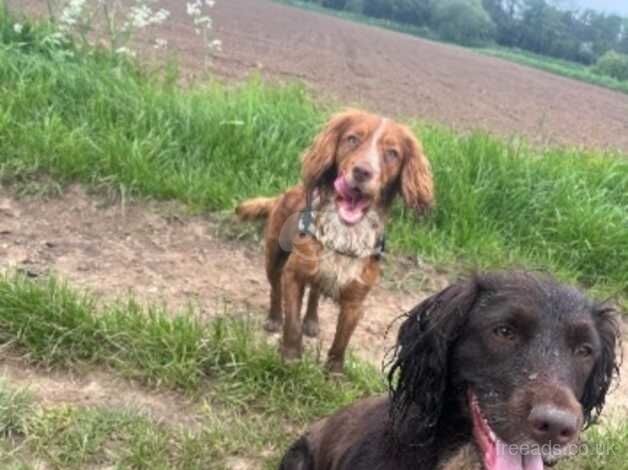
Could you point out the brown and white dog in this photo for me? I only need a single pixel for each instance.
(327, 233)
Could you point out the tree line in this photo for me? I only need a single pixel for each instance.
(539, 26)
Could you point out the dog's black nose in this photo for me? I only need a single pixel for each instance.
(550, 424)
(362, 173)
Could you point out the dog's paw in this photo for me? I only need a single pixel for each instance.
(310, 328)
(272, 326)
(290, 354)
(334, 367)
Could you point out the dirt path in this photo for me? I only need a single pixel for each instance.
(158, 254)
(100, 389)
(162, 256)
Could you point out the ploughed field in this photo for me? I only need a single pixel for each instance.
(408, 76)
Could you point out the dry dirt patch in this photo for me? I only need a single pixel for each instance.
(158, 254)
(98, 389)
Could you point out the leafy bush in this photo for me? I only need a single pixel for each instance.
(613, 64)
(463, 21)
(355, 6)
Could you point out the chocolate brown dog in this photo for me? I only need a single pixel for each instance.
(514, 363)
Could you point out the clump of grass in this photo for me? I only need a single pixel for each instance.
(56, 326)
(15, 405)
(74, 437)
(92, 119)
(604, 447)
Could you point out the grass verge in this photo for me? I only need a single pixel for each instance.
(423, 32)
(72, 437)
(250, 405)
(57, 326)
(87, 117)
(254, 401)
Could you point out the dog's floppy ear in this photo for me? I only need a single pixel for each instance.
(607, 366)
(417, 186)
(321, 155)
(419, 371)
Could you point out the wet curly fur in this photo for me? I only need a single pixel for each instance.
(424, 421)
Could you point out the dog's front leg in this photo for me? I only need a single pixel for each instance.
(350, 314)
(310, 322)
(292, 287)
(351, 302)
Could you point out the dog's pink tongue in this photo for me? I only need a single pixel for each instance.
(508, 458)
(343, 189)
(352, 204)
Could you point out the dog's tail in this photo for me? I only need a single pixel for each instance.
(258, 208)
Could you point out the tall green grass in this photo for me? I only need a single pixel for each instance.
(90, 118)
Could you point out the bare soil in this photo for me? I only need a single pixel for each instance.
(97, 389)
(155, 252)
(158, 254)
(404, 75)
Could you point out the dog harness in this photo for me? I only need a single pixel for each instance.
(306, 227)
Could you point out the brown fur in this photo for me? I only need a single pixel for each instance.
(256, 208)
(338, 262)
(538, 356)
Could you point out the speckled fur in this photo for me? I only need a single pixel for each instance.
(357, 241)
(347, 248)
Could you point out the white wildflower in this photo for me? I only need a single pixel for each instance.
(18, 28)
(125, 51)
(77, 16)
(216, 45)
(161, 43)
(72, 12)
(194, 8)
(139, 16)
(161, 16)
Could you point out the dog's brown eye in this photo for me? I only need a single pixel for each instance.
(391, 155)
(504, 332)
(353, 140)
(584, 350)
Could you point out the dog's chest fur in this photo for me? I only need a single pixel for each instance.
(346, 248)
